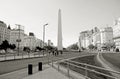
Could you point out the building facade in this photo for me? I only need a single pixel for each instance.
(116, 33)
(50, 43)
(83, 40)
(17, 38)
(106, 35)
(4, 32)
(38, 42)
(96, 37)
(31, 41)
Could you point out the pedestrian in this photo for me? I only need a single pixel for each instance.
(57, 52)
(53, 52)
(61, 52)
(49, 52)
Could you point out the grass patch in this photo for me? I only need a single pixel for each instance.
(113, 58)
(89, 60)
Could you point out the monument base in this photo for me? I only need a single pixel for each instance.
(60, 51)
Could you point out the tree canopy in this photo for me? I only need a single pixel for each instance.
(91, 46)
(73, 46)
(5, 45)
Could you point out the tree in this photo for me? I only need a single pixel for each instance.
(5, 45)
(82, 48)
(9, 27)
(38, 48)
(26, 49)
(48, 47)
(73, 46)
(117, 50)
(91, 46)
(12, 46)
(110, 45)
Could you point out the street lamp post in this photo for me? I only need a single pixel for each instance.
(18, 40)
(44, 35)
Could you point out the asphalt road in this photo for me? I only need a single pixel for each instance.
(13, 65)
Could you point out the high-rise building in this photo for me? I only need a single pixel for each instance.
(59, 44)
(31, 41)
(4, 32)
(7, 36)
(106, 35)
(50, 43)
(38, 42)
(96, 37)
(17, 35)
(116, 33)
(83, 39)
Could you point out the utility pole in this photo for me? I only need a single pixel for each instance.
(18, 40)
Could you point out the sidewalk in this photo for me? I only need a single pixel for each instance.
(47, 73)
(53, 73)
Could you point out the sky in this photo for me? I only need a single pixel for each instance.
(77, 16)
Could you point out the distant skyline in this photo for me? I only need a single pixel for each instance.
(77, 16)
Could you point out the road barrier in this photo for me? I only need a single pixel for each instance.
(86, 67)
(14, 56)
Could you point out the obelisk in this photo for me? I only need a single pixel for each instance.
(59, 42)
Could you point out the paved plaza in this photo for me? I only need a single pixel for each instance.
(48, 72)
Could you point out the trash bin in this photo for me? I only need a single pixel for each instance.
(117, 50)
(30, 70)
(40, 66)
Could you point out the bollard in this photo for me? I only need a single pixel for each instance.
(14, 56)
(40, 66)
(58, 66)
(39, 54)
(86, 74)
(22, 55)
(29, 69)
(52, 63)
(34, 55)
(48, 59)
(5, 56)
(68, 65)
